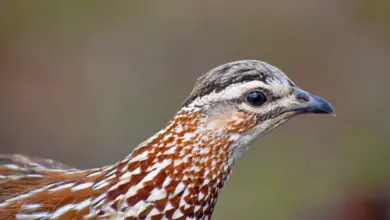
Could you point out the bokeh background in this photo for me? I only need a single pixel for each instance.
(84, 82)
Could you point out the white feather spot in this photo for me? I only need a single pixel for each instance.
(61, 187)
(31, 206)
(100, 185)
(157, 194)
(36, 215)
(82, 186)
(140, 157)
(179, 188)
(83, 204)
(177, 214)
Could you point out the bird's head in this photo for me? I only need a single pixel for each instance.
(247, 99)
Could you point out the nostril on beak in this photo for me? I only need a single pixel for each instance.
(303, 97)
(310, 103)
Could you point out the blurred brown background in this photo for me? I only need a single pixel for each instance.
(84, 82)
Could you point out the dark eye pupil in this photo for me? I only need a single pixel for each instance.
(256, 98)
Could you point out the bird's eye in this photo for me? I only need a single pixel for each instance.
(256, 98)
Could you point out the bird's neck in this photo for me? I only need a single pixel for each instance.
(185, 164)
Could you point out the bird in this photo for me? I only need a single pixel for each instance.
(177, 173)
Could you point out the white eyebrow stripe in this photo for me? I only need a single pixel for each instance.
(236, 90)
(231, 92)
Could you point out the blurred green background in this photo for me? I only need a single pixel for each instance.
(84, 82)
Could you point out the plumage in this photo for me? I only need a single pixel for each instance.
(177, 173)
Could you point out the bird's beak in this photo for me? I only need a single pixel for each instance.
(308, 103)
